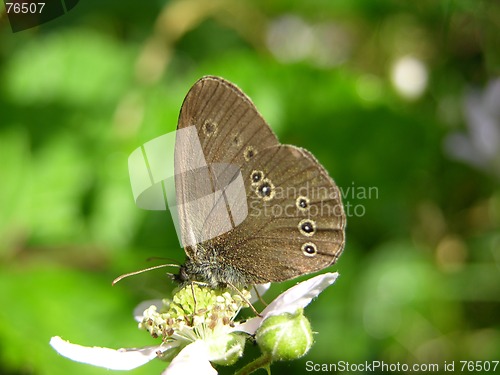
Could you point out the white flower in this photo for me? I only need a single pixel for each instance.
(295, 298)
(206, 341)
(193, 359)
(480, 146)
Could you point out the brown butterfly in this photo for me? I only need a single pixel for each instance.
(294, 220)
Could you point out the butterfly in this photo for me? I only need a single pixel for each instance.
(283, 217)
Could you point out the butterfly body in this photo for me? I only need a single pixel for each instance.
(215, 273)
(294, 220)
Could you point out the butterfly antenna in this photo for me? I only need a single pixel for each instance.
(141, 271)
(160, 258)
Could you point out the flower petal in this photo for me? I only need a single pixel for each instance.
(297, 297)
(193, 359)
(300, 295)
(121, 359)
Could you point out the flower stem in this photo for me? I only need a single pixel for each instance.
(264, 361)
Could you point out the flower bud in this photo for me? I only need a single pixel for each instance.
(285, 337)
(226, 350)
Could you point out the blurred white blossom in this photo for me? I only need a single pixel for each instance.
(479, 146)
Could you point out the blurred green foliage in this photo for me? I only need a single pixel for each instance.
(420, 276)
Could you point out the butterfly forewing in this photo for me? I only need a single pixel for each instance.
(230, 131)
(229, 126)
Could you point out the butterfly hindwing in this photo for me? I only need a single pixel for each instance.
(295, 223)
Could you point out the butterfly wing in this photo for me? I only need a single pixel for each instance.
(228, 131)
(294, 216)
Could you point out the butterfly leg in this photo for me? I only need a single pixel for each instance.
(194, 297)
(244, 299)
(259, 296)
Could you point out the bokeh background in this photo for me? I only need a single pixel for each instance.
(399, 100)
